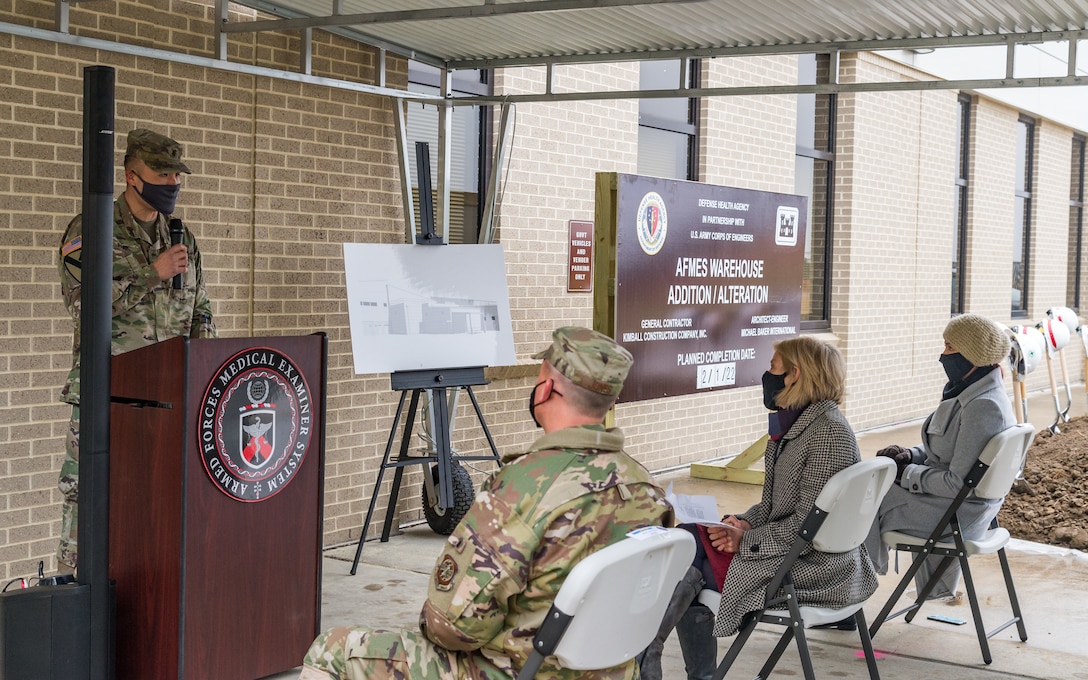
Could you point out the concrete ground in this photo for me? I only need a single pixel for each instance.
(1052, 584)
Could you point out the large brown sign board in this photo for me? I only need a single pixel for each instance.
(707, 279)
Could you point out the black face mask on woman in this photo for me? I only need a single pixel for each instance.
(773, 383)
(956, 366)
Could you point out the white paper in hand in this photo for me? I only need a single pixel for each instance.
(694, 509)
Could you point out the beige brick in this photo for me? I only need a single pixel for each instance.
(287, 171)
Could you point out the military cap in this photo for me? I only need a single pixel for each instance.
(158, 152)
(590, 359)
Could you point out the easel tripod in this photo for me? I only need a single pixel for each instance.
(437, 382)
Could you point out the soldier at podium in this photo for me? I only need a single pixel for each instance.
(572, 493)
(148, 306)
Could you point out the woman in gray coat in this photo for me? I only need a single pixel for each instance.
(974, 407)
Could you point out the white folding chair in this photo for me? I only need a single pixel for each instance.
(611, 604)
(992, 476)
(838, 522)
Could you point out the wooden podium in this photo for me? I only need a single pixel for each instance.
(216, 479)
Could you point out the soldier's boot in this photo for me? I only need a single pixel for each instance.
(696, 633)
(685, 593)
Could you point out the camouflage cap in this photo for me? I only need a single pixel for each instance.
(590, 359)
(158, 152)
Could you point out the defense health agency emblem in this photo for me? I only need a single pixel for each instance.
(255, 422)
(652, 223)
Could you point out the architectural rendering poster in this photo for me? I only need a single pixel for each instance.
(417, 307)
(708, 278)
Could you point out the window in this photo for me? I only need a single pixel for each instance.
(1021, 257)
(959, 240)
(470, 155)
(1076, 224)
(667, 140)
(815, 178)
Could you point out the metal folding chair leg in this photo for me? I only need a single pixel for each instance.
(976, 612)
(1014, 601)
(972, 597)
(934, 580)
(806, 656)
(734, 649)
(867, 645)
(886, 612)
(793, 632)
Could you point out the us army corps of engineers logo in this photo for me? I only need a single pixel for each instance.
(255, 424)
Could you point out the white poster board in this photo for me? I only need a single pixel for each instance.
(414, 307)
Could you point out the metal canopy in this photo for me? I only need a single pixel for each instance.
(485, 34)
(467, 34)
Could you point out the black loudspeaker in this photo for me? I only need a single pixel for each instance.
(43, 633)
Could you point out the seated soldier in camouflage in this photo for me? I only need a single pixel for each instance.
(572, 493)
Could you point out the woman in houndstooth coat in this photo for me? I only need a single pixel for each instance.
(809, 444)
(810, 441)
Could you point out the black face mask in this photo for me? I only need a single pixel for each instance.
(161, 197)
(773, 383)
(956, 366)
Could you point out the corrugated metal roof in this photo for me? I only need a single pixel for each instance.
(492, 33)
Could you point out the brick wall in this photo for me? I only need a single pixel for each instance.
(894, 228)
(895, 165)
(1050, 221)
(285, 172)
(991, 192)
(749, 142)
(992, 187)
(1050, 247)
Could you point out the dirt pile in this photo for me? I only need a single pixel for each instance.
(1050, 504)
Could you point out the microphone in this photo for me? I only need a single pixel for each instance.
(177, 231)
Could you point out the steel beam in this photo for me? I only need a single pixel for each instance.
(439, 14)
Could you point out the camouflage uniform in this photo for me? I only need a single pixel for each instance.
(574, 492)
(146, 310)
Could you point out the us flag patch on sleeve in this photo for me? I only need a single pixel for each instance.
(72, 246)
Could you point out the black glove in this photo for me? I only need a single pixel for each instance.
(902, 460)
(890, 451)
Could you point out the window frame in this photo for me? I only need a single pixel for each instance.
(826, 156)
(1076, 220)
(962, 183)
(476, 82)
(1025, 192)
(691, 73)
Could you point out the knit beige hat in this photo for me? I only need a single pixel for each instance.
(980, 340)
